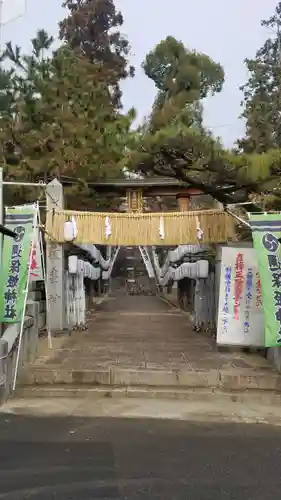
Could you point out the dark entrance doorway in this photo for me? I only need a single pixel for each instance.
(130, 275)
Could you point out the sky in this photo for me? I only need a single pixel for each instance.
(227, 30)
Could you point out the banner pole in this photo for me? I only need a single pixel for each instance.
(25, 296)
(49, 334)
(2, 217)
(2, 221)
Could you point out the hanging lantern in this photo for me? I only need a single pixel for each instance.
(202, 268)
(73, 264)
(193, 271)
(70, 230)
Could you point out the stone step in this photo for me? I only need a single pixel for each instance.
(270, 398)
(236, 380)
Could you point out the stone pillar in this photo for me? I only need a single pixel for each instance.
(56, 315)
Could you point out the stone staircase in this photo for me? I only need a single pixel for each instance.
(262, 388)
(141, 347)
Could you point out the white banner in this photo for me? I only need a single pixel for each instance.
(240, 314)
(36, 271)
(147, 261)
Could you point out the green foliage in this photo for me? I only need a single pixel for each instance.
(63, 123)
(182, 78)
(200, 161)
(175, 70)
(92, 30)
(262, 93)
(6, 92)
(60, 114)
(174, 142)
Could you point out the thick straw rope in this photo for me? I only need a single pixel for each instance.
(143, 228)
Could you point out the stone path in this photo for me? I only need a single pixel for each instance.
(144, 334)
(247, 412)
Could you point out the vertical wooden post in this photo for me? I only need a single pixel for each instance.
(183, 203)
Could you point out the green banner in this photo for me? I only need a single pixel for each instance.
(15, 262)
(266, 231)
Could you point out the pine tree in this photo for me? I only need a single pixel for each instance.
(92, 29)
(182, 78)
(65, 125)
(262, 93)
(175, 143)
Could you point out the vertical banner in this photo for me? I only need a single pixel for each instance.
(266, 231)
(240, 310)
(16, 255)
(36, 271)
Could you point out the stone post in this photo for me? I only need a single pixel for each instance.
(56, 315)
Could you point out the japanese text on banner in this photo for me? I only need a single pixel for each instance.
(238, 284)
(240, 314)
(266, 233)
(14, 271)
(227, 288)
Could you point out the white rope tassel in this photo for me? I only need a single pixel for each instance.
(107, 227)
(161, 228)
(198, 228)
(74, 225)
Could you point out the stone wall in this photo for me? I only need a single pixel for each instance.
(37, 294)
(9, 345)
